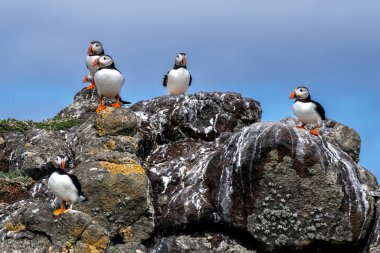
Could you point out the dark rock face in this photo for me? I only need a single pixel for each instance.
(286, 187)
(200, 116)
(196, 174)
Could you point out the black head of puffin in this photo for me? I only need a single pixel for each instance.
(95, 48)
(181, 59)
(300, 92)
(60, 161)
(103, 61)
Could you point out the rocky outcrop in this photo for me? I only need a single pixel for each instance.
(30, 227)
(202, 116)
(212, 243)
(194, 174)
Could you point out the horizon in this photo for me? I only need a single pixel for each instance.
(261, 50)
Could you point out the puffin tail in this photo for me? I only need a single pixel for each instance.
(124, 102)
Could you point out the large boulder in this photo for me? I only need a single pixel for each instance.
(199, 116)
(112, 178)
(290, 190)
(118, 198)
(31, 227)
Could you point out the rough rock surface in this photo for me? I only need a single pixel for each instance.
(30, 152)
(30, 226)
(195, 174)
(212, 243)
(199, 116)
(287, 188)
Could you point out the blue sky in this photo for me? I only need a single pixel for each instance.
(262, 49)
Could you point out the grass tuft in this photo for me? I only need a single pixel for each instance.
(56, 123)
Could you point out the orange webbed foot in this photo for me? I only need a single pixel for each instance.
(100, 108)
(90, 87)
(315, 132)
(59, 211)
(116, 104)
(301, 127)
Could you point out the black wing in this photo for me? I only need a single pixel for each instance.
(320, 109)
(76, 183)
(191, 79)
(165, 82)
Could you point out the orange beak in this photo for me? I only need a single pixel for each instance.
(85, 80)
(63, 164)
(89, 50)
(95, 62)
(184, 61)
(292, 95)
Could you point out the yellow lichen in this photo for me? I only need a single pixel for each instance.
(99, 246)
(101, 126)
(2, 141)
(106, 112)
(126, 233)
(18, 228)
(124, 169)
(111, 145)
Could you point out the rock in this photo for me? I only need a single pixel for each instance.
(94, 239)
(118, 197)
(89, 146)
(33, 243)
(200, 116)
(372, 244)
(14, 189)
(264, 179)
(347, 138)
(116, 121)
(196, 174)
(127, 247)
(84, 105)
(34, 221)
(212, 243)
(31, 152)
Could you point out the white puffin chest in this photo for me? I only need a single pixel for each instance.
(89, 61)
(108, 82)
(63, 187)
(306, 112)
(178, 81)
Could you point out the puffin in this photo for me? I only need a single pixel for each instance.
(94, 51)
(307, 110)
(178, 79)
(108, 80)
(65, 186)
